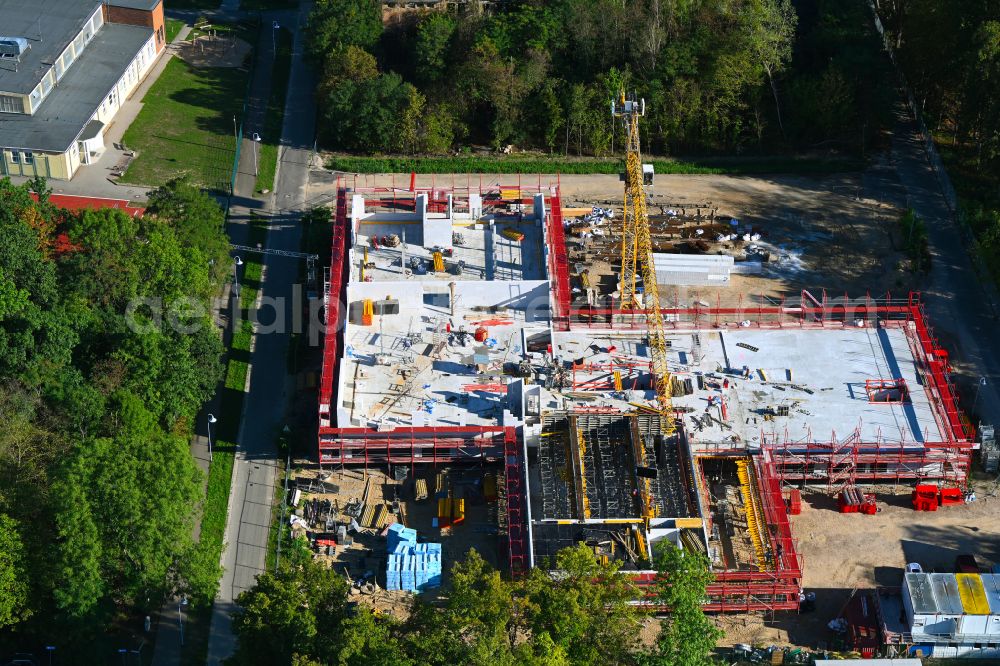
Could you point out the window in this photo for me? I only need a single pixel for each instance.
(159, 34)
(47, 83)
(112, 99)
(78, 44)
(11, 104)
(60, 69)
(97, 21)
(29, 157)
(15, 157)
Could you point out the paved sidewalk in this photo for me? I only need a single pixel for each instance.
(955, 300)
(254, 473)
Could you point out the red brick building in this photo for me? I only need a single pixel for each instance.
(146, 13)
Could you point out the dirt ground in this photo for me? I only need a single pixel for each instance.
(367, 553)
(841, 552)
(207, 51)
(837, 231)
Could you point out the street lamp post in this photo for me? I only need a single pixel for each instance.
(237, 262)
(211, 420)
(274, 48)
(256, 142)
(123, 652)
(979, 385)
(50, 649)
(180, 617)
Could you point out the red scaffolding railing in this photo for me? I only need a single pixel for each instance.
(423, 445)
(517, 510)
(932, 360)
(558, 265)
(332, 301)
(806, 311)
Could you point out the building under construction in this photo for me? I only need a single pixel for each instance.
(459, 334)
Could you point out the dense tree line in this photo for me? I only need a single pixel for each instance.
(949, 51)
(107, 352)
(303, 615)
(718, 75)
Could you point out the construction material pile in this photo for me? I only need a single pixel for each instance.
(411, 566)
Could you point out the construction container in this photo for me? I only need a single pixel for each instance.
(976, 619)
(692, 269)
(951, 496)
(481, 334)
(925, 498)
(457, 511)
(991, 587)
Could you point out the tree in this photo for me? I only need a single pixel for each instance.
(339, 23)
(77, 570)
(770, 27)
(432, 47)
(94, 450)
(298, 610)
(687, 636)
(551, 112)
(379, 115)
(437, 130)
(14, 605)
(579, 615)
(198, 222)
(346, 63)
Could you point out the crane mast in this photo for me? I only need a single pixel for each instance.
(637, 259)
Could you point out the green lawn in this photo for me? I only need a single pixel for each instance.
(552, 165)
(274, 118)
(186, 126)
(173, 26)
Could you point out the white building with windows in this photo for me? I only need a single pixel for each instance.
(66, 66)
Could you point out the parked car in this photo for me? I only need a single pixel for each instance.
(966, 564)
(914, 567)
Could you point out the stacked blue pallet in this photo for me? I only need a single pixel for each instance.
(392, 572)
(407, 580)
(410, 565)
(398, 534)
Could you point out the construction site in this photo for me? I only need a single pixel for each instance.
(519, 376)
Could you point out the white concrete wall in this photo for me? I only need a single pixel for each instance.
(529, 295)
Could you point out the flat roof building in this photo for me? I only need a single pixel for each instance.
(460, 344)
(66, 66)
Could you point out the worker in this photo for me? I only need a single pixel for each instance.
(746, 372)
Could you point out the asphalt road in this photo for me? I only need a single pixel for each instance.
(265, 406)
(957, 302)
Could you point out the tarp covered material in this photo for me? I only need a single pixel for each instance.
(970, 590)
(991, 586)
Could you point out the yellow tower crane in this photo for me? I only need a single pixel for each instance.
(637, 260)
